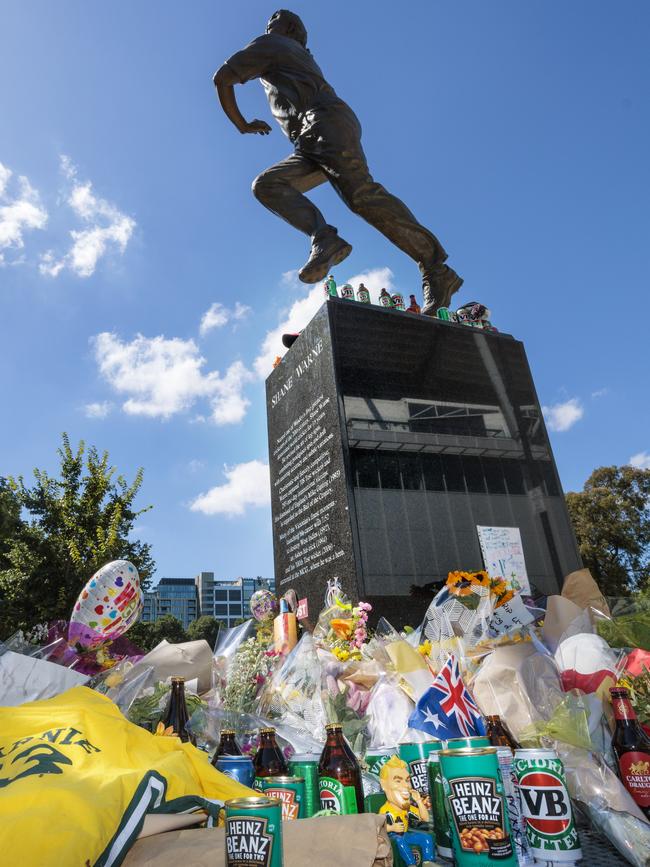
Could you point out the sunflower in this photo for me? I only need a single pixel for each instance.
(163, 732)
(459, 583)
(481, 578)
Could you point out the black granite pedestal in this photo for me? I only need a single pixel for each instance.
(391, 437)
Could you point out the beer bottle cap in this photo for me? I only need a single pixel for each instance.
(177, 679)
(227, 732)
(333, 727)
(268, 731)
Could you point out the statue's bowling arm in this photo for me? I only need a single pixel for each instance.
(225, 81)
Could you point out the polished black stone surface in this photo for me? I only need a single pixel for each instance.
(428, 429)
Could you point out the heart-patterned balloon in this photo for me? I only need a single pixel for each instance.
(107, 606)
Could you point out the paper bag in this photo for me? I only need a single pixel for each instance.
(346, 841)
(560, 614)
(190, 659)
(581, 588)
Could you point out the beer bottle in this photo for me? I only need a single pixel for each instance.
(228, 746)
(176, 715)
(269, 760)
(499, 733)
(339, 775)
(632, 748)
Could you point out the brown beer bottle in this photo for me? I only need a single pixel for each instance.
(499, 733)
(632, 747)
(269, 760)
(228, 746)
(339, 775)
(176, 715)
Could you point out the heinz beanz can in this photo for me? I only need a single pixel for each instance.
(511, 791)
(290, 791)
(415, 756)
(438, 812)
(253, 833)
(238, 768)
(376, 758)
(546, 806)
(476, 807)
(305, 765)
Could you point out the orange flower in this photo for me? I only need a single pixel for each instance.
(481, 578)
(459, 583)
(163, 732)
(342, 628)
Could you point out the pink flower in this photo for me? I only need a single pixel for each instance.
(259, 679)
(365, 606)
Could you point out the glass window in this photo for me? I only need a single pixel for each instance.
(411, 472)
(365, 469)
(220, 594)
(552, 489)
(512, 470)
(473, 474)
(453, 470)
(388, 470)
(432, 472)
(493, 472)
(220, 609)
(235, 595)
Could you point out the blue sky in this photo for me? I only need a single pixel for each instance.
(518, 132)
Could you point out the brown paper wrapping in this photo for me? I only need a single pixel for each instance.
(581, 588)
(344, 841)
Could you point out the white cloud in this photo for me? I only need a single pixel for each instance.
(165, 376)
(303, 310)
(20, 211)
(97, 410)
(195, 465)
(216, 316)
(290, 278)
(601, 392)
(641, 461)
(108, 229)
(247, 485)
(562, 416)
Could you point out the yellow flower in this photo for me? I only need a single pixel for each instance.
(341, 654)
(425, 648)
(113, 680)
(163, 732)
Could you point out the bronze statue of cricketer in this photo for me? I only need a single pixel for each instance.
(326, 136)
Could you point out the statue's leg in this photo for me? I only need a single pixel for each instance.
(281, 187)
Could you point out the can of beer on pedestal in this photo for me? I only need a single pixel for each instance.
(290, 791)
(305, 765)
(511, 791)
(398, 301)
(476, 808)
(441, 831)
(253, 832)
(546, 806)
(443, 313)
(363, 295)
(376, 758)
(415, 756)
(347, 292)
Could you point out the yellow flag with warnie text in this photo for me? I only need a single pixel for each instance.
(77, 780)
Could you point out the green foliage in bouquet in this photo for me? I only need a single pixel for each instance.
(354, 727)
(628, 630)
(639, 687)
(148, 710)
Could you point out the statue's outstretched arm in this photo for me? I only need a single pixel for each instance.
(225, 80)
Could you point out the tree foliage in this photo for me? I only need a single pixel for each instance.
(73, 523)
(147, 635)
(205, 627)
(611, 519)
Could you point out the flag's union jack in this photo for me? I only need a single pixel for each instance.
(447, 710)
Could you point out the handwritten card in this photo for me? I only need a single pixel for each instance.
(503, 556)
(511, 615)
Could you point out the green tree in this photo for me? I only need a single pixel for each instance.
(167, 627)
(611, 519)
(75, 522)
(204, 627)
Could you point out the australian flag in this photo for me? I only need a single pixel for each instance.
(447, 710)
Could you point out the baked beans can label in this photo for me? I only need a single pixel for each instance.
(416, 755)
(546, 806)
(253, 833)
(290, 791)
(476, 807)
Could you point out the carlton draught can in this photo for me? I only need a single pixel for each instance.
(476, 807)
(377, 758)
(437, 796)
(511, 791)
(305, 765)
(253, 832)
(546, 806)
(239, 768)
(290, 791)
(398, 301)
(415, 756)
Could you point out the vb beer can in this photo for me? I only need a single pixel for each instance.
(253, 832)
(398, 301)
(546, 806)
(305, 765)
(415, 756)
(476, 807)
(347, 292)
(290, 791)
(464, 743)
(239, 768)
(437, 796)
(377, 758)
